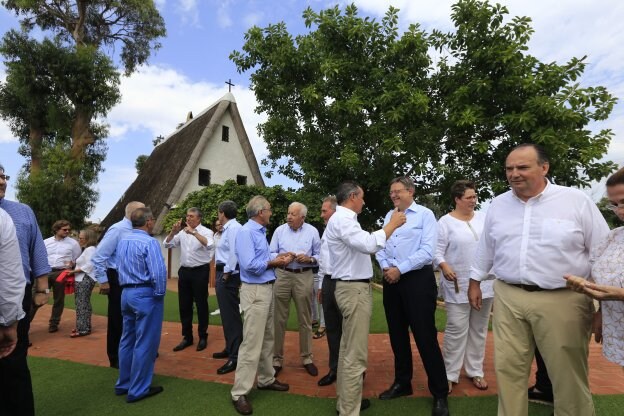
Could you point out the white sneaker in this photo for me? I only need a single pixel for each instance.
(216, 312)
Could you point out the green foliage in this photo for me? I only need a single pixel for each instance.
(354, 99)
(140, 161)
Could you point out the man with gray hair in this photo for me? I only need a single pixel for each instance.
(256, 298)
(105, 264)
(196, 244)
(295, 281)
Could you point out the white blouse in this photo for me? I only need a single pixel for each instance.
(457, 244)
(83, 262)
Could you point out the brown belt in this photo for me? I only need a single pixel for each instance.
(532, 288)
(301, 270)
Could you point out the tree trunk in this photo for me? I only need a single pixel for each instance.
(35, 139)
(81, 139)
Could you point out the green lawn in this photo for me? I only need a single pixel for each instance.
(67, 388)
(378, 321)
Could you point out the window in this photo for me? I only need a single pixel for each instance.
(241, 180)
(204, 177)
(225, 133)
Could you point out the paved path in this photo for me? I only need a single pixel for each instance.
(605, 377)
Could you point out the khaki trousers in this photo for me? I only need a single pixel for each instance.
(355, 301)
(254, 354)
(299, 287)
(559, 322)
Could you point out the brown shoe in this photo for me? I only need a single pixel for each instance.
(242, 406)
(311, 369)
(275, 386)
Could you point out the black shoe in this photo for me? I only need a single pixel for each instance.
(327, 379)
(311, 369)
(277, 369)
(220, 354)
(396, 390)
(53, 328)
(227, 367)
(183, 344)
(440, 407)
(363, 406)
(541, 397)
(152, 391)
(201, 345)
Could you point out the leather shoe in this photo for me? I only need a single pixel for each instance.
(440, 407)
(396, 390)
(183, 344)
(365, 404)
(311, 369)
(227, 367)
(275, 386)
(327, 379)
(242, 406)
(201, 345)
(277, 369)
(220, 354)
(152, 391)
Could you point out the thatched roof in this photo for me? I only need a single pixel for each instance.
(161, 188)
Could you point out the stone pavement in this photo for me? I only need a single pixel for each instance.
(605, 377)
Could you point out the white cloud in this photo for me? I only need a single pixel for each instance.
(188, 10)
(223, 14)
(253, 18)
(111, 186)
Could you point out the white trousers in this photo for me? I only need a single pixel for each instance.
(464, 339)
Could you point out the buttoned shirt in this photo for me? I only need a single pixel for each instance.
(226, 250)
(105, 256)
(323, 260)
(350, 247)
(61, 252)
(32, 249)
(411, 246)
(303, 240)
(141, 261)
(192, 252)
(252, 251)
(12, 279)
(538, 241)
(83, 262)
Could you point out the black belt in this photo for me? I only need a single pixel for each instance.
(355, 280)
(220, 267)
(270, 282)
(196, 267)
(531, 288)
(300, 270)
(58, 269)
(135, 285)
(327, 276)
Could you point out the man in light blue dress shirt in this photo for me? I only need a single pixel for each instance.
(410, 295)
(143, 278)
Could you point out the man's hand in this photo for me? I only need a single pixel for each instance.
(319, 296)
(397, 219)
(104, 288)
(597, 327)
(8, 339)
(474, 294)
(448, 272)
(391, 275)
(302, 258)
(226, 276)
(176, 227)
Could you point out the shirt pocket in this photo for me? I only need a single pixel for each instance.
(557, 232)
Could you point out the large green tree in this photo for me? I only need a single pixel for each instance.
(57, 87)
(354, 99)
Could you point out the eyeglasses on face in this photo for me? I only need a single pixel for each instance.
(613, 207)
(66, 229)
(396, 192)
(5, 177)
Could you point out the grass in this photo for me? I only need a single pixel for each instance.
(378, 320)
(67, 388)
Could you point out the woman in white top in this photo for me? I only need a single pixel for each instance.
(466, 328)
(84, 283)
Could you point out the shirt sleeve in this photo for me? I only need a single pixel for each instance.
(88, 268)
(246, 251)
(76, 250)
(230, 265)
(316, 246)
(368, 243)
(381, 255)
(12, 276)
(424, 254)
(175, 241)
(156, 267)
(104, 251)
(442, 243)
(38, 254)
(484, 257)
(274, 246)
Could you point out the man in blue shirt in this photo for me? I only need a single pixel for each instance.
(227, 286)
(410, 294)
(256, 298)
(105, 263)
(143, 278)
(15, 381)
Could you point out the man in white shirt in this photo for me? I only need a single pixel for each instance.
(295, 281)
(12, 283)
(534, 234)
(350, 248)
(197, 248)
(62, 254)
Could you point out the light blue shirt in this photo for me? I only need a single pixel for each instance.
(105, 256)
(304, 240)
(32, 249)
(411, 246)
(226, 249)
(141, 261)
(252, 250)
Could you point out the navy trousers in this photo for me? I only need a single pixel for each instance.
(227, 296)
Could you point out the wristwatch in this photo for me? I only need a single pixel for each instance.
(194, 232)
(46, 291)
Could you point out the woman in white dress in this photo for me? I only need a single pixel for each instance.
(466, 328)
(608, 279)
(84, 283)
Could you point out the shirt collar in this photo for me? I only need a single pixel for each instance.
(346, 211)
(256, 226)
(537, 197)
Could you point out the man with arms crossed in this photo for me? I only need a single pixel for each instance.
(350, 248)
(533, 235)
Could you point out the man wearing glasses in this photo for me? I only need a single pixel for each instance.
(62, 254)
(15, 382)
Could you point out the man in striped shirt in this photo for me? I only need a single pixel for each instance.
(143, 278)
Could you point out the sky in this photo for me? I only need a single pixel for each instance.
(190, 70)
